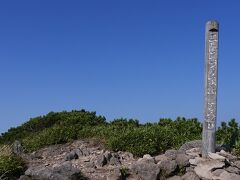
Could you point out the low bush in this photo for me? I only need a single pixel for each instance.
(11, 167)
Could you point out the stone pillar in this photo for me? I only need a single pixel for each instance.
(211, 80)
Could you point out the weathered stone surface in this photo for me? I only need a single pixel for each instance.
(174, 178)
(194, 152)
(228, 156)
(108, 155)
(101, 161)
(190, 176)
(161, 157)
(171, 154)
(204, 169)
(24, 177)
(196, 161)
(182, 160)
(216, 156)
(70, 156)
(64, 171)
(221, 174)
(147, 171)
(168, 167)
(85, 151)
(231, 169)
(114, 161)
(116, 175)
(147, 158)
(50, 163)
(190, 145)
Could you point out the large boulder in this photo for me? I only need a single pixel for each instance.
(146, 171)
(167, 167)
(182, 160)
(171, 154)
(190, 145)
(221, 174)
(190, 176)
(204, 169)
(64, 171)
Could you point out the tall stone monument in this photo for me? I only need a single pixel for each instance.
(211, 79)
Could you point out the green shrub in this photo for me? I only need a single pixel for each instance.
(56, 135)
(38, 124)
(228, 133)
(11, 167)
(140, 141)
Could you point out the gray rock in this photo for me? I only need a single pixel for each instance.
(63, 171)
(116, 175)
(108, 155)
(189, 169)
(161, 157)
(190, 176)
(70, 156)
(147, 158)
(231, 169)
(216, 156)
(168, 167)
(78, 152)
(171, 154)
(101, 161)
(229, 156)
(85, 151)
(196, 161)
(174, 178)
(190, 145)
(182, 160)
(24, 177)
(194, 152)
(224, 175)
(146, 171)
(204, 169)
(237, 164)
(224, 147)
(114, 160)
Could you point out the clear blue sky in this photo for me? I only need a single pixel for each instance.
(133, 59)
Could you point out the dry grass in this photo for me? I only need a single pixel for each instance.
(6, 150)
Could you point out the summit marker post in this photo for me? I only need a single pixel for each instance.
(211, 80)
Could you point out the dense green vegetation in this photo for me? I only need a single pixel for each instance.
(11, 167)
(118, 135)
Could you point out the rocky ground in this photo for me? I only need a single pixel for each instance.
(90, 160)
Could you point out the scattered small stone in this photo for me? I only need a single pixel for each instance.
(63, 162)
